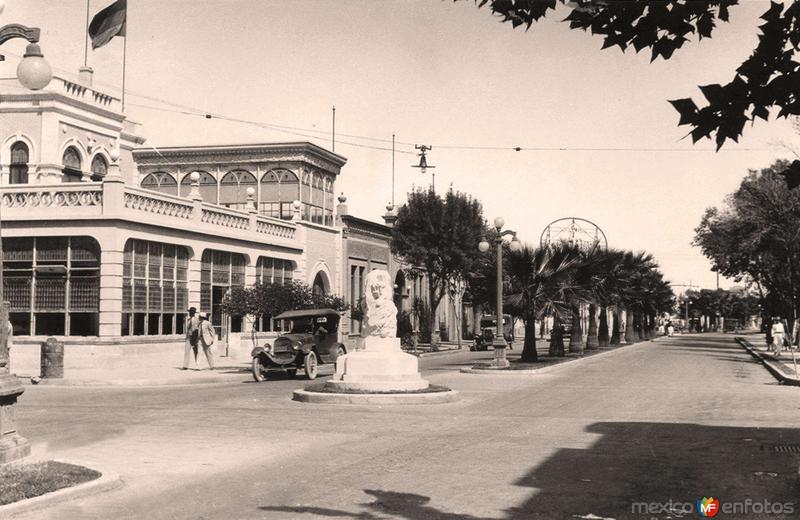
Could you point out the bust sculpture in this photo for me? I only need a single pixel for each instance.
(380, 318)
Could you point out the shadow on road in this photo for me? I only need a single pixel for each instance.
(630, 463)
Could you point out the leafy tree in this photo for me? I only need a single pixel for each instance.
(271, 299)
(440, 235)
(755, 237)
(770, 77)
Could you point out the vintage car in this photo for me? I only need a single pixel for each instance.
(488, 326)
(309, 337)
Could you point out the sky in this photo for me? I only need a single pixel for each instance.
(603, 141)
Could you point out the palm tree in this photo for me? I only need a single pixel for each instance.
(541, 283)
(612, 270)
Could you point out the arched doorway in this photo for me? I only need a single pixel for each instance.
(319, 287)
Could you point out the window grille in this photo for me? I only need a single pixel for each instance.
(154, 259)
(139, 295)
(18, 250)
(17, 291)
(140, 259)
(205, 296)
(168, 304)
(154, 296)
(169, 268)
(84, 249)
(50, 280)
(50, 294)
(181, 296)
(51, 249)
(127, 295)
(84, 294)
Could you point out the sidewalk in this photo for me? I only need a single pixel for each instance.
(149, 370)
(164, 369)
(783, 367)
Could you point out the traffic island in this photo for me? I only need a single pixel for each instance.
(380, 372)
(26, 487)
(324, 394)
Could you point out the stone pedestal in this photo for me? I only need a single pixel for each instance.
(380, 367)
(12, 445)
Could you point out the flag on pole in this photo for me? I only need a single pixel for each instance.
(108, 23)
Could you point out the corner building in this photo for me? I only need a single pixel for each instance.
(102, 251)
(106, 242)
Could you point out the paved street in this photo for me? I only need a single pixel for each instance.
(676, 419)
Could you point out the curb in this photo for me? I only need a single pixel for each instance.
(108, 481)
(128, 382)
(771, 366)
(304, 396)
(543, 370)
(440, 353)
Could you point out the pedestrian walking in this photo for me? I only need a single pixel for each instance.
(670, 328)
(192, 337)
(778, 332)
(207, 337)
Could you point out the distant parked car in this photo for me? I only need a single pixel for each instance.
(488, 325)
(312, 338)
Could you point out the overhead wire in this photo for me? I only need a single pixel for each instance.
(304, 132)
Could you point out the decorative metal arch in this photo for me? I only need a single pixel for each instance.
(574, 230)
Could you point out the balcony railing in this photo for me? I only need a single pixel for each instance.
(115, 200)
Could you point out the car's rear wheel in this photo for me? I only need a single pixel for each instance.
(310, 365)
(259, 370)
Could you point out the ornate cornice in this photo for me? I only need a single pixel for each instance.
(359, 226)
(61, 98)
(303, 152)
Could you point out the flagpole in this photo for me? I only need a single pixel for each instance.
(86, 38)
(124, 60)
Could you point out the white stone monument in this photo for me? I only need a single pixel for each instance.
(381, 365)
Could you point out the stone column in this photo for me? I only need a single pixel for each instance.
(193, 282)
(111, 260)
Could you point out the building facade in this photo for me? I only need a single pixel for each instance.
(108, 242)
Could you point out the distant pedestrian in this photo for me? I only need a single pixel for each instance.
(778, 332)
(207, 337)
(670, 328)
(192, 337)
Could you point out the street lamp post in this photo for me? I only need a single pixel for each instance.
(33, 73)
(499, 344)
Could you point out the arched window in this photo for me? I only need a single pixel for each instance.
(162, 182)
(279, 188)
(233, 188)
(53, 285)
(99, 167)
(208, 186)
(72, 165)
(19, 163)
